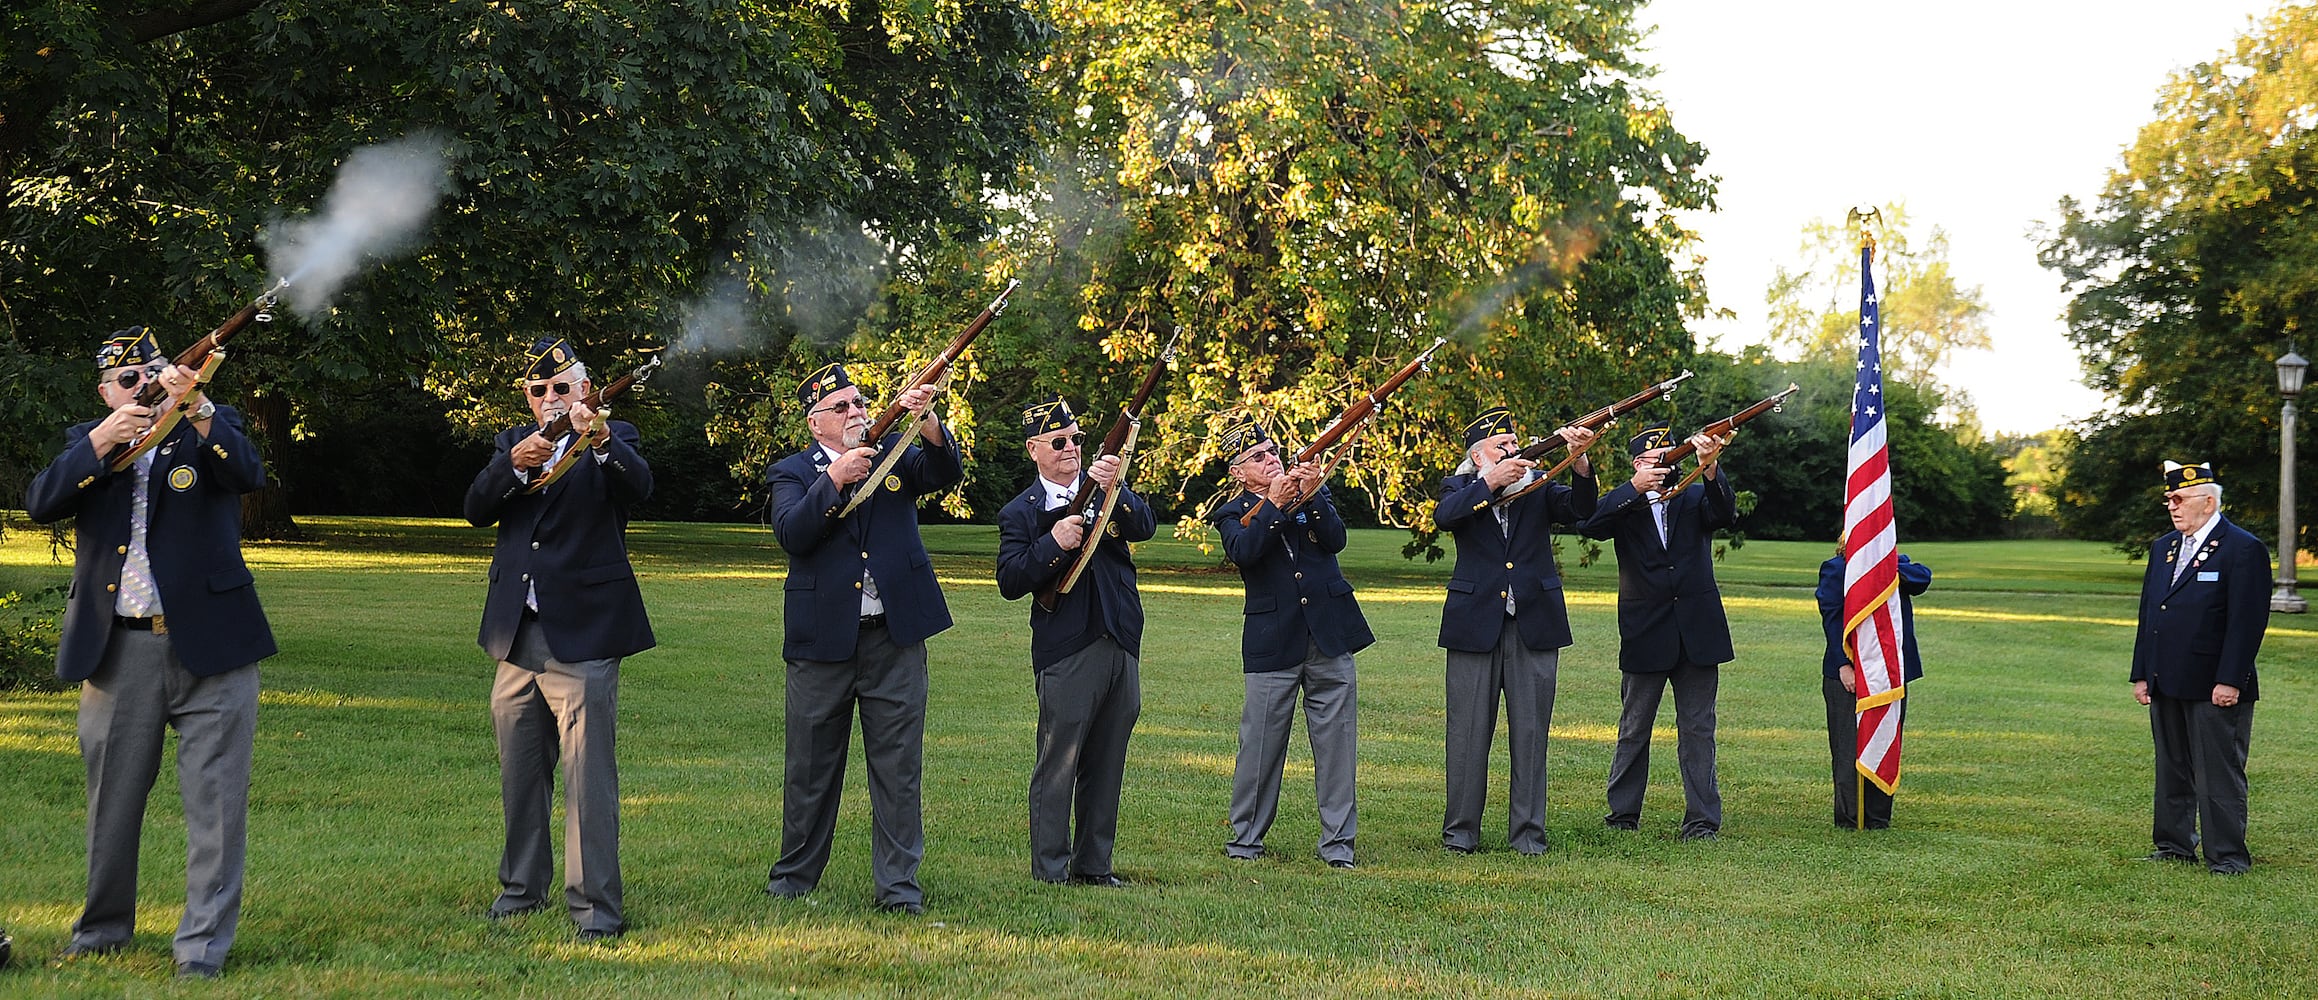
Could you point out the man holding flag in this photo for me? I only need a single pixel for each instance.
(1873, 635)
(1839, 685)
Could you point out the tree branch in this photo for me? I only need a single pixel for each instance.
(142, 28)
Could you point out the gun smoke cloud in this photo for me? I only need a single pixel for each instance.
(1551, 262)
(816, 279)
(376, 208)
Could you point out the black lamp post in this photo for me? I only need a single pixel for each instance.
(2291, 368)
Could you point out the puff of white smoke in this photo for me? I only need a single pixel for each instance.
(376, 208)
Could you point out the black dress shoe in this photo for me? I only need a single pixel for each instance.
(1342, 864)
(1619, 824)
(1103, 881)
(1456, 849)
(7, 950)
(504, 910)
(598, 935)
(2230, 869)
(197, 970)
(911, 907)
(80, 950)
(2167, 856)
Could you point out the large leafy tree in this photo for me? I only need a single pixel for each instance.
(1926, 315)
(609, 159)
(1313, 191)
(2195, 269)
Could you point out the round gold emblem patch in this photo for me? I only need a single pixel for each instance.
(893, 484)
(181, 478)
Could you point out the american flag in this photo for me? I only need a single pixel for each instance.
(1871, 630)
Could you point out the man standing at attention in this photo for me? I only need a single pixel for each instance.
(1671, 627)
(1084, 653)
(2205, 603)
(1301, 628)
(163, 630)
(562, 611)
(861, 600)
(1504, 623)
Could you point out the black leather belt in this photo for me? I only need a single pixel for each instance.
(157, 623)
(872, 621)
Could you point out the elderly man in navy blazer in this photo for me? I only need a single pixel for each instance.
(1085, 653)
(1504, 623)
(2205, 603)
(1670, 624)
(1300, 629)
(563, 609)
(861, 600)
(163, 629)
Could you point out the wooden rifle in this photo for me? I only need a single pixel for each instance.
(936, 373)
(1594, 421)
(208, 353)
(1348, 423)
(561, 425)
(1096, 514)
(1719, 428)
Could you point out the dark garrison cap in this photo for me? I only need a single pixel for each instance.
(1490, 423)
(133, 346)
(1653, 436)
(826, 379)
(549, 357)
(1046, 417)
(1242, 437)
(2181, 477)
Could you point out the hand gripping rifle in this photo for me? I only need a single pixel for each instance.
(561, 425)
(1719, 428)
(1096, 515)
(208, 353)
(1594, 421)
(935, 373)
(1347, 427)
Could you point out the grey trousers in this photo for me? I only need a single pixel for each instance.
(138, 692)
(2201, 779)
(1843, 751)
(1694, 688)
(1526, 677)
(889, 683)
(1087, 706)
(543, 709)
(1331, 719)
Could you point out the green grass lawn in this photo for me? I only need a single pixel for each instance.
(374, 821)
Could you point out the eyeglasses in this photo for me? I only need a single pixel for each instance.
(561, 389)
(843, 405)
(130, 378)
(2177, 499)
(1061, 441)
(1268, 451)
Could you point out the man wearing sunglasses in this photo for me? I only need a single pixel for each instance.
(859, 603)
(1504, 623)
(1085, 654)
(163, 630)
(1299, 631)
(563, 609)
(2205, 603)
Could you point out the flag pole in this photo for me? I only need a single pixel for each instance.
(1859, 802)
(1866, 222)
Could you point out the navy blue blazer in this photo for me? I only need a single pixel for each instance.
(822, 599)
(570, 543)
(1914, 578)
(1296, 595)
(2206, 628)
(192, 541)
(1668, 607)
(1104, 602)
(1518, 558)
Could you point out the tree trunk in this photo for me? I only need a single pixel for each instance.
(265, 514)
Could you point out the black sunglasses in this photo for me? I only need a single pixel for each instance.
(130, 378)
(1059, 441)
(1268, 451)
(561, 389)
(843, 405)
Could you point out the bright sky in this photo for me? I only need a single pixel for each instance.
(1978, 114)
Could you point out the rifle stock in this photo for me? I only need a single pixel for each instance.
(561, 425)
(933, 373)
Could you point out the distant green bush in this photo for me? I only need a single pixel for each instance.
(28, 637)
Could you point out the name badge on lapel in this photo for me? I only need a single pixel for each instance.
(2208, 576)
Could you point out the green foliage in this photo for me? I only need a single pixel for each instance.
(28, 637)
(2195, 269)
(1926, 317)
(610, 160)
(1312, 192)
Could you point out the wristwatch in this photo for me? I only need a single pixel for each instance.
(206, 410)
